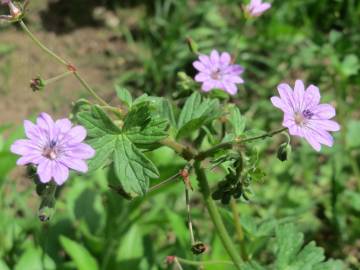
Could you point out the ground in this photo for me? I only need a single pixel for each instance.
(95, 51)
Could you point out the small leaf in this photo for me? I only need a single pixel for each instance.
(124, 95)
(81, 256)
(196, 113)
(237, 120)
(132, 168)
(138, 117)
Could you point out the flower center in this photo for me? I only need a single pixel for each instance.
(308, 114)
(50, 151)
(300, 118)
(216, 75)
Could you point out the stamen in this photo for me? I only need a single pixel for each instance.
(216, 75)
(308, 114)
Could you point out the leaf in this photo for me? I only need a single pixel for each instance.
(97, 123)
(124, 95)
(291, 255)
(131, 246)
(132, 167)
(80, 255)
(237, 120)
(352, 135)
(104, 147)
(141, 128)
(196, 113)
(34, 259)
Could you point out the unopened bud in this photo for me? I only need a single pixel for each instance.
(37, 84)
(170, 259)
(199, 248)
(284, 151)
(15, 12)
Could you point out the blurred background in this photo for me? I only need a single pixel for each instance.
(142, 45)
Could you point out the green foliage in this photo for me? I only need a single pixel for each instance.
(195, 113)
(81, 257)
(114, 144)
(291, 255)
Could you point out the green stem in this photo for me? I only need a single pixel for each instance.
(186, 152)
(228, 145)
(238, 228)
(216, 217)
(56, 78)
(42, 46)
(196, 263)
(89, 89)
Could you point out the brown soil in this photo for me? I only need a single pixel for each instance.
(88, 48)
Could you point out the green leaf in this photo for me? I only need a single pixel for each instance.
(237, 120)
(132, 167)
(97, 123)
(291, 255)
(80, 255)
(196, 113)
(3, 266)
(124, 95)
(34, 259)
(352, 135)
(143, 129)
(104, 147)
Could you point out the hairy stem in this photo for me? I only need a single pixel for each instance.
(228, 145)
(238, 228)
(196, 263)
(216, 217)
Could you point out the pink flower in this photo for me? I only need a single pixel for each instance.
(303, 114)
(15, 12)
(217, 72)
(256, 7)
(55, 147)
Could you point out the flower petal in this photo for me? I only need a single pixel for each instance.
(279, 103)
(230, 88)
(34, 158)
(286, 94)
(64, 125)
(24, 147)
(44, 170)
(225, 58)
(312, 140)
(201, 67)
(215, 57)
(60, 173)
(312, 96)
(76, 135)
(328, 125)
(80, 151)
(205, 60)
(75, 164)
(299, 92)
(324, 111)
(202, 77)
(208, 85)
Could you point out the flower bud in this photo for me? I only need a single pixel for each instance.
(199, 248)
(37, 84)
(284, 151)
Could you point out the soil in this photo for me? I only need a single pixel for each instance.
(95, 51)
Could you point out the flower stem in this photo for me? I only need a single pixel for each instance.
(216, 217)
(238, 228)
(42, 46)
(58, 77)
(227, 145)
(186, 152)
(196, 263)
(61, 61)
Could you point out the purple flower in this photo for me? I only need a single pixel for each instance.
(256, 7)
(303, 114)
(217, 71)
(55, 147)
